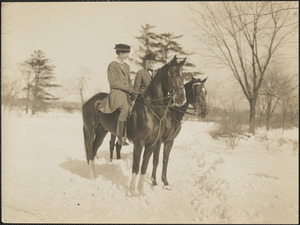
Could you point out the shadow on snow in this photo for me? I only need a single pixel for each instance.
(108, 171)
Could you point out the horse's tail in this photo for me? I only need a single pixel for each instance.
(85, 144)
(89, 116)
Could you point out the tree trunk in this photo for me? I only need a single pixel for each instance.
(34, 103)
(268, 114)
(27, 100)
(81, 97)
(252, 103)
(268, 122)
(283, 115)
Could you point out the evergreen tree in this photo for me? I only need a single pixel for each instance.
(148, 42)
(167, 45)
(163, 45)
(42, 83)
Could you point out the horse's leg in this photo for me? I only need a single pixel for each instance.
(99, 137)
(118, 148)
(137, 150)
(167, 150)
(147, 154)
(155, 164)
(88, 142)
(112, 146)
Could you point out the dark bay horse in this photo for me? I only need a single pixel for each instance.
(196, 95)
(144, 126)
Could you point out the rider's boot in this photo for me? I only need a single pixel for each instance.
(120, 129)
(125, 134)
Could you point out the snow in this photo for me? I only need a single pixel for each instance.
(45, 177)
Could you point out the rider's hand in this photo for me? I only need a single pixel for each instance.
(131, 90)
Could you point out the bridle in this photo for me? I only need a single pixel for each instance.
(195, 91)
(174, 84)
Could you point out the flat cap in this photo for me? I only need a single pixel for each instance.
(122, 48)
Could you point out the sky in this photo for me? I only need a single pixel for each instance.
(80, 34)
(83, 34)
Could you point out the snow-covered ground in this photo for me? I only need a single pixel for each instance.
(45, 177)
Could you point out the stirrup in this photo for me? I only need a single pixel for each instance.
(125, 143)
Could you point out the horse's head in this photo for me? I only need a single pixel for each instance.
(199, 97)
(174, 83)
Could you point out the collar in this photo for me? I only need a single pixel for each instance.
(117, 60)
(149, 69)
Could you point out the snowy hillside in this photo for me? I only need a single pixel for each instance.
(45, 177)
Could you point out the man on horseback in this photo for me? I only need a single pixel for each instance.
(144, 76)
(118, 73)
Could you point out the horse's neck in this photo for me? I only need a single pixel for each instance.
(156, 95)
(156, 89)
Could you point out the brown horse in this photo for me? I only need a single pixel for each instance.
(145, 125)
(196, 95)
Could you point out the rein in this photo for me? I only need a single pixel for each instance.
(177, 122)
(155, 100)
(160, 121)
(180, 110)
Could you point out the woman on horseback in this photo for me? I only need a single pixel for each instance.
(118, 73)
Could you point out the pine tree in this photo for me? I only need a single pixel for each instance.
(167, 45)
(148, 42)
(42, 83)
(163, 45)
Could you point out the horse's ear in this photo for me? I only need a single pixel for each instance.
(182, 62)
(203, 81)
(174, 60)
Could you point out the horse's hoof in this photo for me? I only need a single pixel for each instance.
(165, 181)
(141, 192)
(154, 183)
(133, 193)
(93, 175)
(118, 157)
(167, 187)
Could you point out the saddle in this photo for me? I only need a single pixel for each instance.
(100, 104)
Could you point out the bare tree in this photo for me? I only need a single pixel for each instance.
(244, 36)
(269, 96)
(294, 107)
(275, 87)
(286, 96)
(28, 77)
(78, 85)
(10, 88)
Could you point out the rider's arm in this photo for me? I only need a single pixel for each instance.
(112, 74)
(137, 82)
